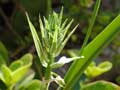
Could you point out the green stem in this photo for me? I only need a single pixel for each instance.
(48, 7)
(48, 71)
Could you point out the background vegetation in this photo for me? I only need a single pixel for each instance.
(16, 36)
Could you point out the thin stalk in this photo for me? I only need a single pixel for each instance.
(48, 71)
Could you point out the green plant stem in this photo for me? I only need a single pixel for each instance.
(48, 72)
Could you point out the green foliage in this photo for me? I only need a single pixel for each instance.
(33, 85)
(51, 41)
(53, 37)
(93, 49)
(16, 71)
(98, 70)
(100, 85)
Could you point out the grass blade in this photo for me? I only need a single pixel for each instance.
(91, 24)
(91, 51)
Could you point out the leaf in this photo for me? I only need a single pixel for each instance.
(3, 54)
(15, 65)
(91, 51)
(61, 46)
(2, 60)
(37, 42)
(7, 74)
(100, 85)
(36, 85)
(98, 70)
(105, 66)
(19, 73)
(25, 81)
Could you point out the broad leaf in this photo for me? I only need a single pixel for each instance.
(36, 85)
(20, 72)
(100, 85)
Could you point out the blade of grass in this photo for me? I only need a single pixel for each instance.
(91, 51)
(91, 24)
(95, 12)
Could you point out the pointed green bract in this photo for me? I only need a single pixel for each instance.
(37, 42)
(61, 46)
(41, 28)
(54, 36)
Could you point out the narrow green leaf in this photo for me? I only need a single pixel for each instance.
(60, 16)
(65, 30)
(41, 27)
(7, 74)
(60, 47)
(91, 24)
(63, 24)
(91, 51)
(37, 42)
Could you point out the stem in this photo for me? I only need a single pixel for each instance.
(48, 71)
(48, 7)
